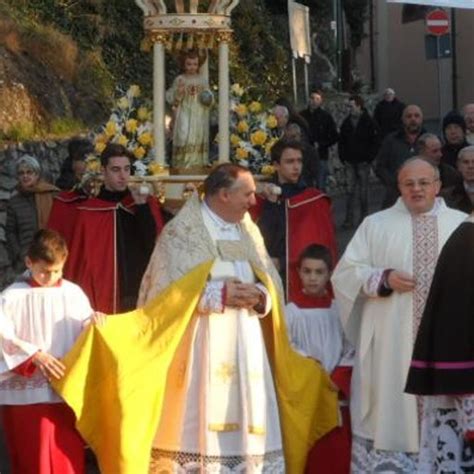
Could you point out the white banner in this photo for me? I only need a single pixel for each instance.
(300, 34)
(439, 3)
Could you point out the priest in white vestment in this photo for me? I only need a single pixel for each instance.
(222, 410)
(381, 284)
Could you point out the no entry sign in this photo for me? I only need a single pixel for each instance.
(437, 22)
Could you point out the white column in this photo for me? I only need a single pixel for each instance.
(295, 86)
(224, 116)
(159, 101)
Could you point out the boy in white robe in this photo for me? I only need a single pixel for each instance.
(41, 316)
(315, 331)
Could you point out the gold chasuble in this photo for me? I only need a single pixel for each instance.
(116, 374)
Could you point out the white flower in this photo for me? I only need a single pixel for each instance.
(140, 168)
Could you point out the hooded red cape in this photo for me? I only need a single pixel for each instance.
(308, 221)
(63, 213)
(93, 260)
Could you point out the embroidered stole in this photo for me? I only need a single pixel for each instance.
(425, 256)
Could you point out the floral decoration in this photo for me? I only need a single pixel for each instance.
(253, 131)
(129, 125)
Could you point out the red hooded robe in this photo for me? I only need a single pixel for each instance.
(93, 261)
(308, 220)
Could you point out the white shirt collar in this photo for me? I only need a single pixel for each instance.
(434, 211)
(220, 223)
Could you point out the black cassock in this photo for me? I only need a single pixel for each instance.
(443, 356)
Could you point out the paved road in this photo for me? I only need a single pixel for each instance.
(339, 204)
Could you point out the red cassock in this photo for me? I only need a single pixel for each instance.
(93, 260)
(41, 438)
(308, 221)
(48, 431)
(332, 453)
(63, 213)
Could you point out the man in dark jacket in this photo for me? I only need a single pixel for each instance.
(429, 147)
(322, 132)
(396, 148)
(461, 196)
(388, 113)
(357, 148)
(454, 131)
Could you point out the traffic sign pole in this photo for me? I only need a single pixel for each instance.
(438, 67)
(437, 24)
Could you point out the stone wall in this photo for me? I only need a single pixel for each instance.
(50, 154)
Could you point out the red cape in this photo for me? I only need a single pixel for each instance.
(309, 221)
(63, 213)
(92, 262)
(302, 300)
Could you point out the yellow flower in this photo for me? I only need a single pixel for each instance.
(241, 153)
(93, 166)
(99, 147)
(139, 152)
(268, 170)
(145, 138)
(155, 168)
(123, 103)
(122, 140)
(131, 125)
(101, 138)
(110, 128)
(237, 89)
(255, 107)
(133, 91)
(258, 138)
(269, 145)
(271, 121)
(143, 114)
(234, 139)
(243, 126)
(241, 110)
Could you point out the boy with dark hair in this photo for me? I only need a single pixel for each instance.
(315, 331)
(113, 150)
(41, 316)
(316, 252)
(297, 217)
(113, 235)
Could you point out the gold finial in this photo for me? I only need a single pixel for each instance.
(224, 36)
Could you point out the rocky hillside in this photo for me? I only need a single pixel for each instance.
(61, 61)
(47, 83)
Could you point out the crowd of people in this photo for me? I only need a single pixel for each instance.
(234, 337)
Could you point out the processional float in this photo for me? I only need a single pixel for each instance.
(171, 27)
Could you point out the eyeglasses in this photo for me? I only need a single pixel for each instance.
(422, 183)
(25, 172)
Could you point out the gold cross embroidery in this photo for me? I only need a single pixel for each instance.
(225, 372)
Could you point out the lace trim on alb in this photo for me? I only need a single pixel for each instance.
(366, 459)
(180, 462)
